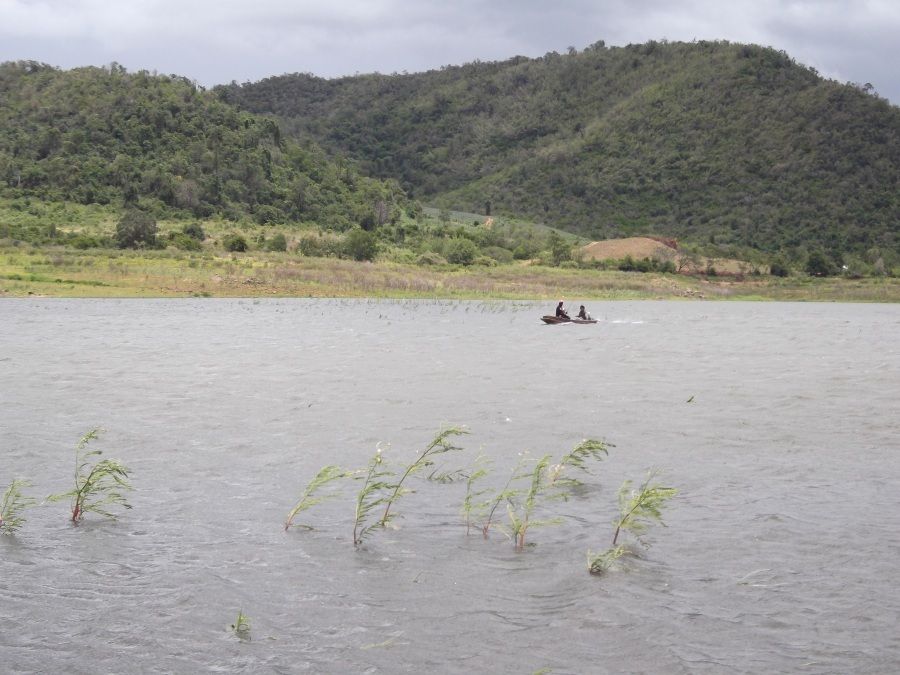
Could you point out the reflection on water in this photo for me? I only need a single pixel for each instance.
(779, 554)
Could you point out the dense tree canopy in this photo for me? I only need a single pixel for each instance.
(707, 141)
(103, 135)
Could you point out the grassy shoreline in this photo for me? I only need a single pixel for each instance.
(67, 273)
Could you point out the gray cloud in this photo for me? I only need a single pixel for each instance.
(216, 42)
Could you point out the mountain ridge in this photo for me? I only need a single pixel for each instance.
(705, 141)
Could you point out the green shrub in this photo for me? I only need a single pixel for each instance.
(184, 241)
(666, 267)
(194, 230)
(501, 255)
(403, 256)
(779, 268)
(314, 245)
(136, 230)
(235, 243)
(277, 243)
(268, 215)
(431, 258)
(626, 264)
(460, 251)
(85, 241)
(526, 251)
(360, 245)
(818, 264)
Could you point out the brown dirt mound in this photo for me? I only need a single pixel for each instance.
(636, 247)
(645, 247)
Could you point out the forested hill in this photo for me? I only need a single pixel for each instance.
(101, 135)
(700, 141)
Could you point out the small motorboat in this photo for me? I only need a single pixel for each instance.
(558, 319)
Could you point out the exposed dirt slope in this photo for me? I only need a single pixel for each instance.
(636, 247)
(644, 247)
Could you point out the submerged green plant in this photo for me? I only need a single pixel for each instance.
(507, 494)
(598, 563)
(12, 505)
(576, 458)
(96, 487)
(371, 495)
(473, 510)
(439, 445)
(448, 476)
(325, 476)
(521, 512)
(638, 508)
(241, 627)
(641, 507)
(545, 482)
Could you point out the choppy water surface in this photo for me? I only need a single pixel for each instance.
(780, 555)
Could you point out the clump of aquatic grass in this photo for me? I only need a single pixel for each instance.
(638, 509)
(241, 627)
(576, 459)
(521, 511)
(307, 499)
(598, 563)
(473, 510)
(440, 444)
(14, 502)
(373, 493)
(528, 487)
(97, 486)
(507, 494)
(378, 487)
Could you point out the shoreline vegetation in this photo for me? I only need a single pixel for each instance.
(68, 250)
(45, 272)
(468, 183)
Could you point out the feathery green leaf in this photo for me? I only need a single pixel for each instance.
(12, 505)
(439, 445)
(97, 486)
(325, 476)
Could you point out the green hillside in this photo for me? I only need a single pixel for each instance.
(165, 146)
(707, 142)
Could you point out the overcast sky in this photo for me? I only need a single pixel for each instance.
(217, 41)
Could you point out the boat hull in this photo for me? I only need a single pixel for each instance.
(557, 319)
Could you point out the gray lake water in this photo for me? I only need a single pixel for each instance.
(780, 553)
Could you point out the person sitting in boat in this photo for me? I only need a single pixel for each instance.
(584, 314)
(560, 312)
